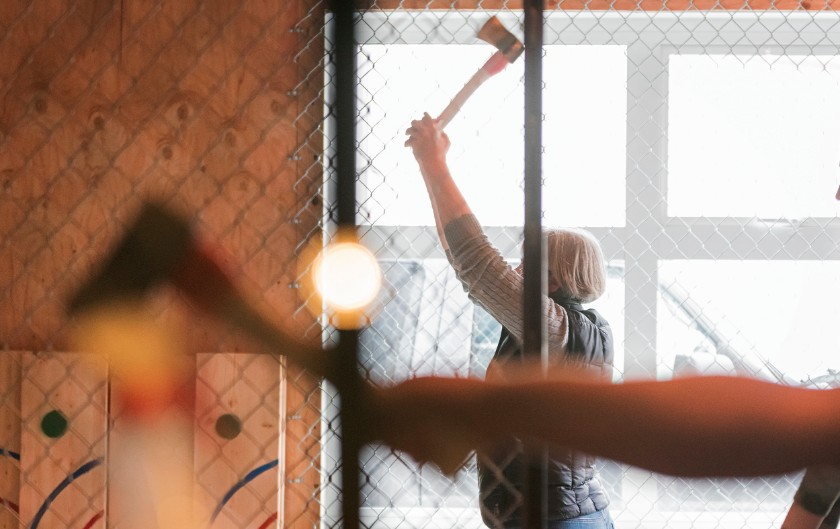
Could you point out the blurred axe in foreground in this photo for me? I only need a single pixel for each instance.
(509, 49)
(160, 248)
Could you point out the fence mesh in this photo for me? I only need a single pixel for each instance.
(699, 146)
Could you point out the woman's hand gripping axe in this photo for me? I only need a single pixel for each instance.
(509, 49)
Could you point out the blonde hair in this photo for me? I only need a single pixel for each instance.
(576, 262)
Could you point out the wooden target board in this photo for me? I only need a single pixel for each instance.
(238, 439)
(63, 403)
(9, 439)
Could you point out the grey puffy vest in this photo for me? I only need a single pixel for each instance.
(574, 488)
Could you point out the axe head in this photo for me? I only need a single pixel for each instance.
(496, 34)
(155, 244)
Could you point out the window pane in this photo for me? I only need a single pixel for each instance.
(386, 346)
(753, 135)
(583, 134)
(768, 317)
(400, 82)
(762, 319)
(424, 328)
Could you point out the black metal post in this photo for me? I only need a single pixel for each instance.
(535, 510)
(344, 58)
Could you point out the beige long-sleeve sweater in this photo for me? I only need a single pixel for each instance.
(492, 283)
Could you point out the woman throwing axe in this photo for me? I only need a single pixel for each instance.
(577, 336)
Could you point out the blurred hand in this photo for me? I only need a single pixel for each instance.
(443, 420)
(424, 418)
(819, 489)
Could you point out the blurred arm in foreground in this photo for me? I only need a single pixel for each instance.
(703, 426)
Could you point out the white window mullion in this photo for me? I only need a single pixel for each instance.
(646, 118)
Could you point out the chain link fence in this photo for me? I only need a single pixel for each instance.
(699, 146)
(671, 135)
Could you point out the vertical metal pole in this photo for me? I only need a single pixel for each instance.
(344, 50)
(535, 510)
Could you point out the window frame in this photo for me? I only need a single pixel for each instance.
(650, 235)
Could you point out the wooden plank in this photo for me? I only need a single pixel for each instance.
(239, 439)
(63, 440)
(301, 182)
(607, 5)
(9, 439)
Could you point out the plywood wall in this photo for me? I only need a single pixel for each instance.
(209, 106)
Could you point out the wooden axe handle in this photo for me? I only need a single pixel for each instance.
(495, 64)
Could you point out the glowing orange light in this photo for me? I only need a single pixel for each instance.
(341, 281)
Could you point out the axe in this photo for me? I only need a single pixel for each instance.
(159, 248)
(509, 48)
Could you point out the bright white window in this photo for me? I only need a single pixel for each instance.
(753, 135)
(583, 133)
(772, 314)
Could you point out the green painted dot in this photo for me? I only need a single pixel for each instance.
(54, 424)
(228, 426)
